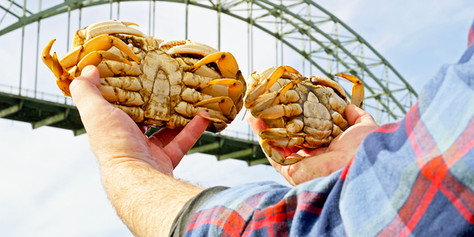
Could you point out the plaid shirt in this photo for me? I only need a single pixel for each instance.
(415, 177)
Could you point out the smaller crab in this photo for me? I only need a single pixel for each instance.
(305, 112)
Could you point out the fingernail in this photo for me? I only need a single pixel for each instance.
(87, 69)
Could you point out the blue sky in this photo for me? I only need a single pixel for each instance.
(50, 180)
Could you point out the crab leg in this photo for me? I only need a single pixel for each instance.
(235, 87)
(276, 156)
(61, 74)
(102, 42)
(262, 88)
(271, 99)
(357, 97)
(278, 111)
(277, 74)
(95, 57)
(281, 135)
(226, 105)
(219, 103)
(184, 108)
(225, 61)
(92, 58)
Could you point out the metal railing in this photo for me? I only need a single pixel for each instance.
(31, 93)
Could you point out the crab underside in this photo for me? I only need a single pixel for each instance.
(305, 112)
(156, 82)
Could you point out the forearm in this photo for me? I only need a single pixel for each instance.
(145, 199)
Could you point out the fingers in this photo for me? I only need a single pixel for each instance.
(185, 140)
(355, 115)
(164, 136)
(256, 124)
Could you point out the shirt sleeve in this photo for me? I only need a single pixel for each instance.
(414, 177)
(180, 223)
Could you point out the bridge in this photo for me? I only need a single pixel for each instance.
(298, 33)
(64, 115)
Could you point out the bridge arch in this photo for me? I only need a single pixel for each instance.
(325, 44)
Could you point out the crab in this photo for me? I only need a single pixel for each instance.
(157, 83)
(299, 111)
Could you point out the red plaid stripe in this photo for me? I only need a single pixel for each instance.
(470, 37)
(461, 196)
(273, 219)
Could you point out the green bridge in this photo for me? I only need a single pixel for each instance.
(40, 112)
(302, 33)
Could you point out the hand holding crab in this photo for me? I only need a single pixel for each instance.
(301, 117)
(319, 162)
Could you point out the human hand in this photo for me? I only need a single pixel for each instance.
(115, 138)
(324, 160)
(136, 169)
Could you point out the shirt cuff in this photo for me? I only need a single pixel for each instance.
(181, 221)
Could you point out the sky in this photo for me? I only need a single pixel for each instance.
(49, 178)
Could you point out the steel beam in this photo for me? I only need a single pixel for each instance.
(11, 110)
(236, 154)
(204, 148)
(50, 120)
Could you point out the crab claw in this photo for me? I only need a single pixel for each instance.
(276, 156)
(92, 53)
(63, 76)
(357, 97)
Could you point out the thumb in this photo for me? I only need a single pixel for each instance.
(88, 99)
(88, 80)
(356, 115)
(85, 89)
(91, 74)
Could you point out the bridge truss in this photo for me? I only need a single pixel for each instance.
(305, 36)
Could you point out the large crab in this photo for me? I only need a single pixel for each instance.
(156, 82)
(305, 112)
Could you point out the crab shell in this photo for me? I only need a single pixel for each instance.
(156, 82)
(299, 111)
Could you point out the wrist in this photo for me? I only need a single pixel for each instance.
(146, 200)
